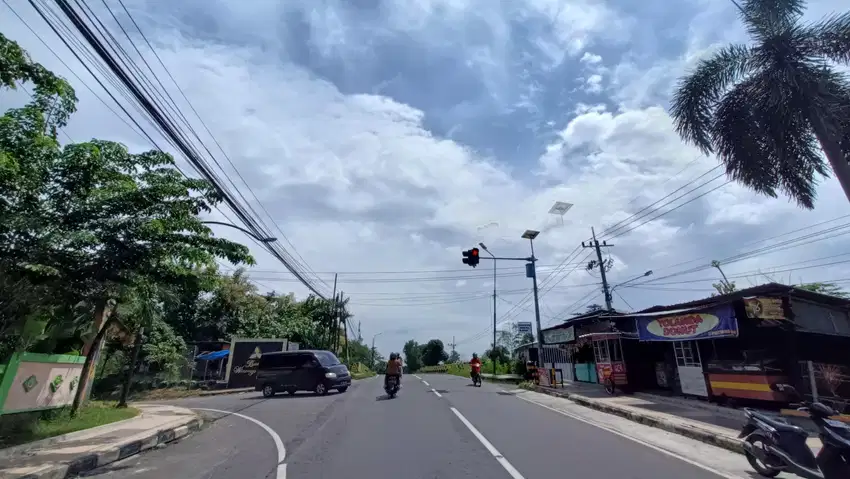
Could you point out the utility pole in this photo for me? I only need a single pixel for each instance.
(359, 336)
(333, 313)
(595, 244)
(345, 333)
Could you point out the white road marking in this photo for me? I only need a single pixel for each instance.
(417, 377)
(435, 392)
(634, 439)
(499, 457)
(425, 382)
(278, 442)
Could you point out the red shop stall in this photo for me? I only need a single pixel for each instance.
(608, 355)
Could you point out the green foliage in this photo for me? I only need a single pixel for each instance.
(90, 229)
(412, 355)
(768, 109)
(500, 354)
(830, 289)
(433, 353)
(724, 287)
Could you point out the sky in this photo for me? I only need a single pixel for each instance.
(382, 138)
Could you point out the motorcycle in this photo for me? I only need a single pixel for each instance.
(476, 379)
(391, 387)
(773, 445)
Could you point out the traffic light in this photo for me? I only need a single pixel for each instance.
(470, 257)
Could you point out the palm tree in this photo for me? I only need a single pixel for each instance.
(767, 110)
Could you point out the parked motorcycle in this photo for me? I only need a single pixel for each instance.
(391, 387)
(773, 445)
(476, 379)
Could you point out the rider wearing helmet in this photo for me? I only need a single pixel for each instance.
(394, 368)
(475, 365)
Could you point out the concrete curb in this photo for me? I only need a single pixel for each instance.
(222, 392)
(702, 435)
(116, 452)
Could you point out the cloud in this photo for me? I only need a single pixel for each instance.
(384, 138)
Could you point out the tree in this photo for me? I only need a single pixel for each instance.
(830, 289)
(454, 357)
(766, 109)
(500, 354)
(412, 355)
(433, 353)
(591, 308)
(724, 286)
(93, 218)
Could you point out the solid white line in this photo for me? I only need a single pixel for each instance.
(634, 439)
(435, 392)
(278, 442)
(417, 377)
(425, 383)
(499, 457)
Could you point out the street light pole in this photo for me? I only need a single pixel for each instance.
(252, 235)
(530, 235)
(494, 308)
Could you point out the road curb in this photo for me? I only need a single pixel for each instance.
(117, 452)
(222, 392)
(702, 435)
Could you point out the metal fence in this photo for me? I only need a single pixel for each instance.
(827, 383)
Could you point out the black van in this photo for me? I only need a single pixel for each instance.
(292, 371)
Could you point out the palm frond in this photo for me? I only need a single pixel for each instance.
(697, 94)
(830, 38)
(741, 141)
(766, 18)
(764, 139)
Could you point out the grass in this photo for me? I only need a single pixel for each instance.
(35, 426)
(167, 393)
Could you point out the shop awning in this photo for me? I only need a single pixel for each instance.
(213, 355)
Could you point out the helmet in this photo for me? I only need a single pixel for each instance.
(474, 355)
(393, 356)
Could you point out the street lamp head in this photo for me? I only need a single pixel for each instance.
(648, 273)
(482, 246)
(530, 234)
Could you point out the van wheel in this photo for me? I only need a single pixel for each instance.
(321, 389)
(268, 391)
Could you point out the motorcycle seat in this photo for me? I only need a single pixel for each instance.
(778, 423)
(822, 410)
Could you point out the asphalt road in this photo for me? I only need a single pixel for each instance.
(458, 432)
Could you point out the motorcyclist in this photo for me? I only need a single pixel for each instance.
(474, 365)
(394, 368)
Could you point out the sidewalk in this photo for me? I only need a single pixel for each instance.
(71, 454)
(502, 377)
(704, 422)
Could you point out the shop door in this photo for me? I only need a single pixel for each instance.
(689, 365)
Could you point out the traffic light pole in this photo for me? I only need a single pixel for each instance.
(493, 351)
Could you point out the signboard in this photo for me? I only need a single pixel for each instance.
(555, 336)
(764, 308)
(245, 357)
(40, 381)
(718, 323)
(524, 327)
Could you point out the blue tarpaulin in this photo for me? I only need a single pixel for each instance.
(213, 355)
